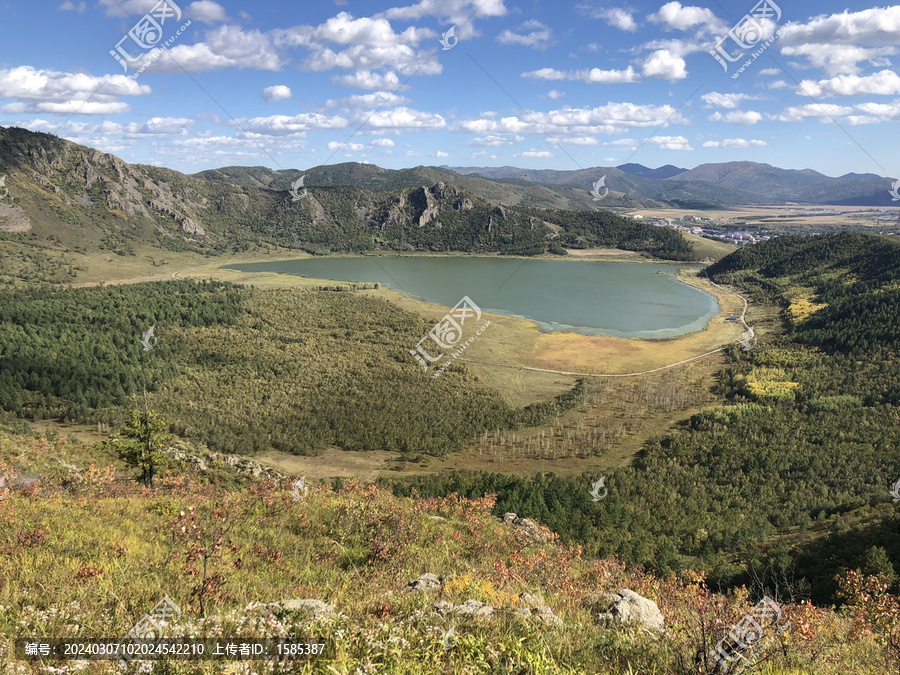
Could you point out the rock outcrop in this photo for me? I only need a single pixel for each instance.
(628, 608)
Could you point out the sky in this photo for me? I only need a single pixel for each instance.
(529, 83)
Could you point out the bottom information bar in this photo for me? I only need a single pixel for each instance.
(164, 649)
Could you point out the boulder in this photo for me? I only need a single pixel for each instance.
(631, 609)
(426, 582)
(315, 608)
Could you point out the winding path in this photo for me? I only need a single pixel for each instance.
(645, 372)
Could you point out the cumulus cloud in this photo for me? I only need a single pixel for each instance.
(617, 18)
(383, 143)
(366, 79)
(535, 154)
(734, 143)
(440, 154)
(462, 13)
(279, 92)
(405, 118)
(532, 34)
(884, 83)
(554, 95)
(70, 6)
(592, 75)
(715, 99)
(675, 16)
(610, 119)
(286, 125)
(670, 142)
(743, 117)
(206, 11)
(664, 65)
(840, 59)
(224, 47)
(366, 43)
(374, 100)
(49, 91)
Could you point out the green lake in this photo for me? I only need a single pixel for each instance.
(595, 298)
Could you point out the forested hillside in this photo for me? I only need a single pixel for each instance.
(67, 199)
(795, 471)
(245, 370)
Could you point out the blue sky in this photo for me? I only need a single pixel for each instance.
(535, 84)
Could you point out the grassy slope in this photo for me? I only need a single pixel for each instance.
(85, 555)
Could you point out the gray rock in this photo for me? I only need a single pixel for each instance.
(315, 608)
(474, 609)
(631, 609)
(437, 518)
(531, 600)
(426, 582)
(443, 607)
(546, 615)
(510, 518)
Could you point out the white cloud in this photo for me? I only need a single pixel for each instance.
(383, 143)
(670, 142)
(494, 141)
(674, 15)
(877, 27)
(48, 91)
(405, 118)
(534, 154)
(840, 59)
(716, 100)
(553, 95)
(884, 83)
(610, 119)
(354, 147)
(377, 99)
(821, 110)
(665, 65)
(582, 140)
(206, 11)
(539, 37)
(224, 47)
(366, 43)
(70, 6)
(462, 13)
(482, 154)
(366, 79)
(618, 18)
(592, 76)
(734, 143)
(284, 125)
(440, 155)
(279, 92)
(744, 117)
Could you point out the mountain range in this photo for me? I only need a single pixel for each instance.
(79, 198)
(708, 185)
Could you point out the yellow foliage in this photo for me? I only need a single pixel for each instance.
(470, 586)
(800, 308)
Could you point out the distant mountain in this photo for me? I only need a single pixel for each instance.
(68, 197)
(711, 185)
(663, 172)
